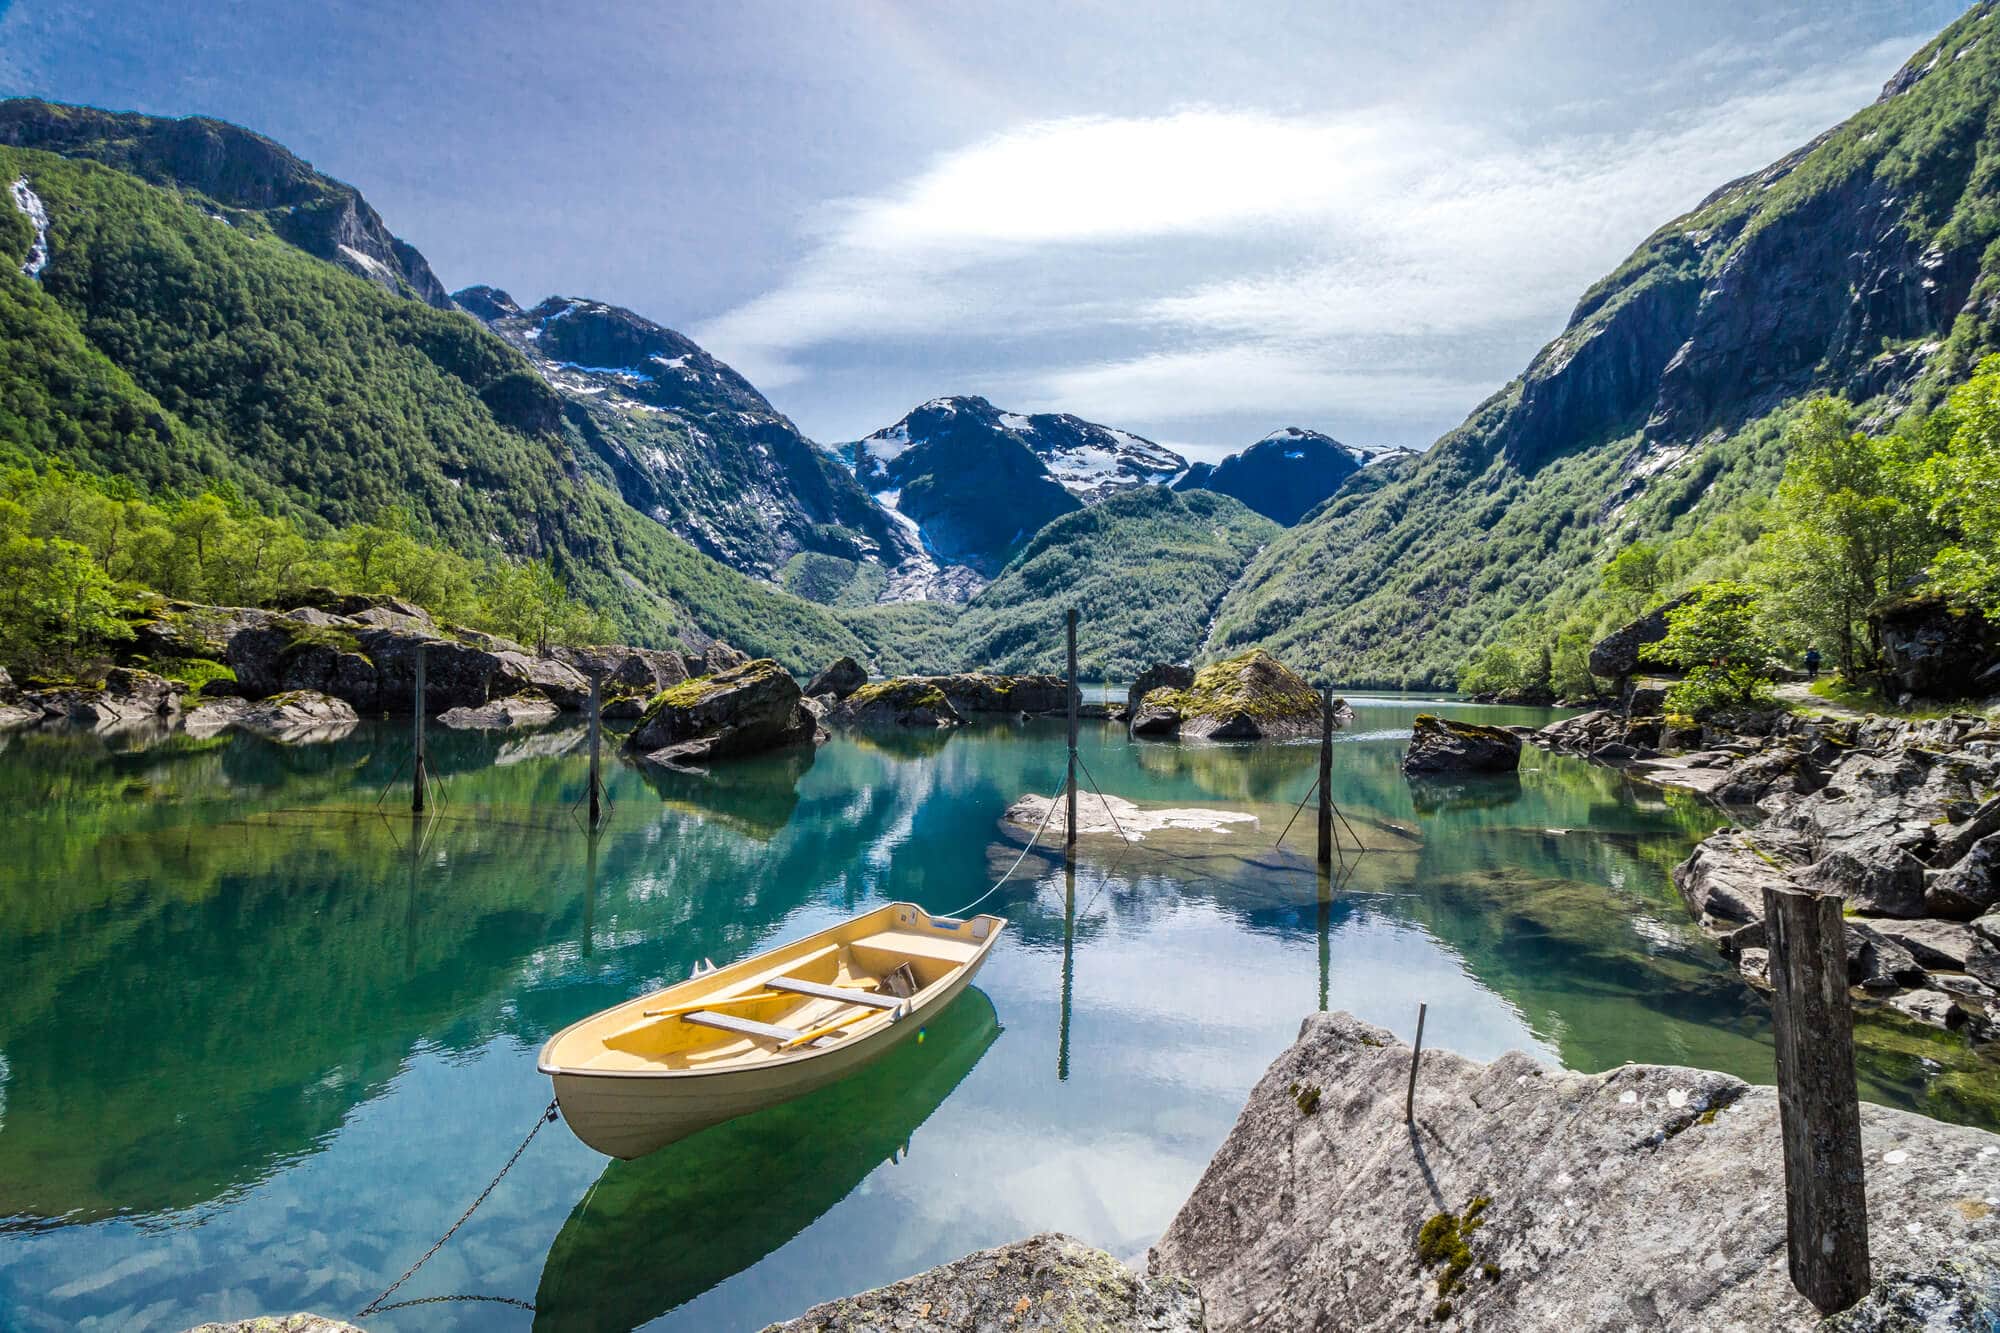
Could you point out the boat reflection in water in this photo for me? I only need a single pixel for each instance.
(656, 1232)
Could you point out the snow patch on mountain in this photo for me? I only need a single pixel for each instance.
(30, 203)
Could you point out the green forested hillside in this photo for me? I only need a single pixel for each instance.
(180, 351)
(1144, 570)
(1859, 265)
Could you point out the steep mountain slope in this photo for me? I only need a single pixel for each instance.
(688, 441)
(1145, 569)
(1858, 264)
(969, 484)
(1282, 476)
(235, 172)
(161, 343)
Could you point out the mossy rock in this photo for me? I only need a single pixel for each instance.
(1252, 696)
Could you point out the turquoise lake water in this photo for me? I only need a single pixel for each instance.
(262, 1038)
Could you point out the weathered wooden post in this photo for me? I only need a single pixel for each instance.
(1069, 841)
(1416, 1054)
(1826, 1199)
(596, 738)
(1326, 776)
(417, 711)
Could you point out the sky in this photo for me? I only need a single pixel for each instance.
(1197, 221)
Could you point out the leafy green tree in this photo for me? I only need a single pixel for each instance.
(1717, 638)
(1850, 527)
(58, 609)
(530, 603)
(1961, 485)
(1635, 570)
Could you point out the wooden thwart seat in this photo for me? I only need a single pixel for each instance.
(748, 1027)
(826, 992)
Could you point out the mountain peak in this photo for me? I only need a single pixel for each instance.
(234, 168)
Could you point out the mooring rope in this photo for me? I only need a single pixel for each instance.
(1046, 815)
(548, 1116)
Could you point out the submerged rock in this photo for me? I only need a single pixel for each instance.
(1120, 817)
(1446, 745)
(743, 710)
(279, 1323)
(1252, 696)
(520, 710)
(1526, 1197)
(1048, 1282)
(842, 677)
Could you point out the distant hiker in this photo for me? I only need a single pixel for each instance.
(1812, 664)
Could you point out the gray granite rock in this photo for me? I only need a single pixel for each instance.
(279, 1323)
(1646, 1197)
(1047, 1282)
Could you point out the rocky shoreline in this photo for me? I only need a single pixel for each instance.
(1899, 817)
(1520, 1197)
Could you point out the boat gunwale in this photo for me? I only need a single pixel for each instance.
(779, 1059)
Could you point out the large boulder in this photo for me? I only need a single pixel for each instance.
(127, 696)
(626, 671)
(1252, 696)
(1616, 655)
(842, 677)
(372, 666)
(901, 701)
(1969, 888)
(302, 1322)
(1046, 1282)
(717, 657)
(1159, 676)
(1936, 650)
(1527, 1197)
(294, 717)
(988, 692)
(1447, 745)
(743, 710)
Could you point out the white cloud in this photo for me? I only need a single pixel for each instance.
(1215, 260)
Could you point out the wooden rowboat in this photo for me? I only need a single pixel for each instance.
(764, 1030)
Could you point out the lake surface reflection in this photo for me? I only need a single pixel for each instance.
(262, 1037)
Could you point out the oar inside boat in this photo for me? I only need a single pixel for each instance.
(773, 1026)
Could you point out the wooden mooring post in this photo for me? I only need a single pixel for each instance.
(596, 740)
(1416, 1054)
(1326, 776)
(1819, 1112)
(1069, 787)
(417, 712)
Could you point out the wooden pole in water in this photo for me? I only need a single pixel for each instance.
(1326, 776)
(1826, 1199)
(417, 710)
(1416, 1054)
(1069, 841)
(596, 736)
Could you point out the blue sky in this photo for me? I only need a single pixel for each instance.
(1198, 221)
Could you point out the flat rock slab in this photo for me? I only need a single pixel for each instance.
(279, 1323)
(1048, 1281)
(1115, 814)
(1645, 1197)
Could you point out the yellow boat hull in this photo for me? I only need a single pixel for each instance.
(643, 1074)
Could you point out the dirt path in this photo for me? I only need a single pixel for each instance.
(1795, 694)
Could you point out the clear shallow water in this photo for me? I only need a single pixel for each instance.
(261, 1039)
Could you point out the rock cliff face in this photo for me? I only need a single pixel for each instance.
(236, 169)
(1527, 1198)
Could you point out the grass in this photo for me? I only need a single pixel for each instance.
(1844, 693)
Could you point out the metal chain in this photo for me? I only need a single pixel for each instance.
(549, 1114)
